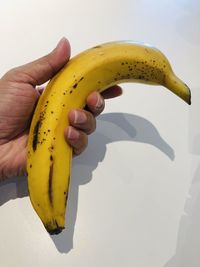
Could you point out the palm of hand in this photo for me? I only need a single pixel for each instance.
(17, 101)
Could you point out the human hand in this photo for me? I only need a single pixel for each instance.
(18, 97)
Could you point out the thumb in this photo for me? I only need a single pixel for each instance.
(44, 68)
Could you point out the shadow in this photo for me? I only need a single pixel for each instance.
(13, 188)
(111, 127)
(188, 240)
(114, 127)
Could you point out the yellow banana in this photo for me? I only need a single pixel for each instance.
(49, 156)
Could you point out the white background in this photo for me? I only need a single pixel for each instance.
(135, 192)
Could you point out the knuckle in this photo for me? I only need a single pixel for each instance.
(91, 125)
(100, 103)
(11, 72)
(81, 146)
(98, 111)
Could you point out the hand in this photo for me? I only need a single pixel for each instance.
(18, 97)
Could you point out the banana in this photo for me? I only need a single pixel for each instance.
(49, 156)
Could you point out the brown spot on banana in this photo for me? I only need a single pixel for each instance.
(66, 192)
(35, 135)
(50, 189)
(75, 85)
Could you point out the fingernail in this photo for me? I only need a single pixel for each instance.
(62, 40)
(99, 102)
(72, 133)
(79, 117)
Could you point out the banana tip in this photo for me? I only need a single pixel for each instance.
(188, 98)
(55, 231)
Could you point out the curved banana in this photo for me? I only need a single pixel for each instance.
(49, 156)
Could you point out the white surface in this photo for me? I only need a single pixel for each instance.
(135, 193)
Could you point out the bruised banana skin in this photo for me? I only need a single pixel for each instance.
(49, 156)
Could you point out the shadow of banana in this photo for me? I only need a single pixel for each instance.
(111, 127)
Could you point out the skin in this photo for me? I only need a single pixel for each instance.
(19, 93)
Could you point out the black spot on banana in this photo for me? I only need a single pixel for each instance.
(50, 191)
(49, 157)
(35, 135)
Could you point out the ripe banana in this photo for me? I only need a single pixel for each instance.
(49, 156)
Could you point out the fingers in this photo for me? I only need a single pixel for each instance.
(95, 101)
(77, 139)
(82, 123)
(42, 69)
(112, 92)
(82, 120)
